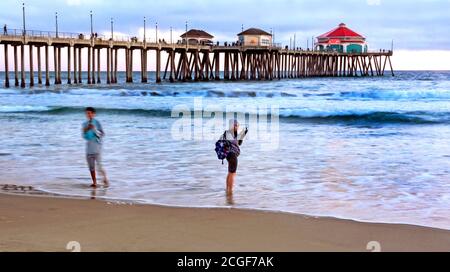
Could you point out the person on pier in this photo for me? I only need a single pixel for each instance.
(5, 30)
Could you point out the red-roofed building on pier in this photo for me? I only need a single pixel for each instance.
(341, 39)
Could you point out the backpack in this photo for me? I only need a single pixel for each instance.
(222, 148)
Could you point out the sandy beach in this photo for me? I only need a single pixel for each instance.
(30, 223)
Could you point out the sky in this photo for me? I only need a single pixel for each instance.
(419, 29)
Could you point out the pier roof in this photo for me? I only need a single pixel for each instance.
(341, 31)
(254, 31)
(196, 33)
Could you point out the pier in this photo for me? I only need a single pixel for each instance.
(184, 61)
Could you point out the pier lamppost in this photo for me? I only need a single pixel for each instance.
(271, 34)
(171, 35)
(295, 36)
(187, 39)
(92, 25)
(145, 28)
(56, 23)
(112, 29)
(23, 19)
(156, 28)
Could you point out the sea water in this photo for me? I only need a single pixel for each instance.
(370, 149)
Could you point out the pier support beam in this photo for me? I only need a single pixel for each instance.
(39, 61)
(22, 66)
(127, 65)
(16, 67)
(144, 66)
(98, 67)
(69, 79)
(158, 66)
(131, 66)
(226, 71)
(30, 47)
(116, 53)
(172, 66)
(129, 61)
(59, 66)
(111, 71)
(6, 67)
(89, 81)
(80, 69)
(47, 72)
(217, 64)
(108, 65)
(55, 63)
(75, 71)
(390, 64)
(93, 66)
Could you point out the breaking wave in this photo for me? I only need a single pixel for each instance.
(296, 115)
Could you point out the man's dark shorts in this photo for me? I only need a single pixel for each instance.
(232, 162)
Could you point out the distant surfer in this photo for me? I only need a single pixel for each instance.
(235, 140)
(93, 134)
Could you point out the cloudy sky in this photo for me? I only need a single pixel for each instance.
(419, 28)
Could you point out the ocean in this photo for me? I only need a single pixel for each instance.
(367, 149)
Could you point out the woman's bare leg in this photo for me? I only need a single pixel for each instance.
(230, 183)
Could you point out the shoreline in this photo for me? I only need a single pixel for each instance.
(48, 223)
(34, 192)
(47, 194)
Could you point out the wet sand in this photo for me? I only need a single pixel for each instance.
(43, 223)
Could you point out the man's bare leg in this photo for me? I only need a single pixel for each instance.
(94, 179)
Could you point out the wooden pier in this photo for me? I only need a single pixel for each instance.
(184, 62)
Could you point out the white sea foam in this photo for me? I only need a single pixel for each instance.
(9, 109)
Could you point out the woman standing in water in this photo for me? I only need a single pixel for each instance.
(235, 140)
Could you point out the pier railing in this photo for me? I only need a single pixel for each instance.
(40, 34)
(17, 33)
(62, 35)
(120, 38)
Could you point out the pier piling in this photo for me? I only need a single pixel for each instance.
(47, 71)
(80, 79)
(31, 65)
(39, 63)
(108, 66)
(75, 66)
(22, 66)
(6, 67)
(69, 79)
(16, 69)
(98, 66)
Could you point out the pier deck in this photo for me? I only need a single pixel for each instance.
(184, 62)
